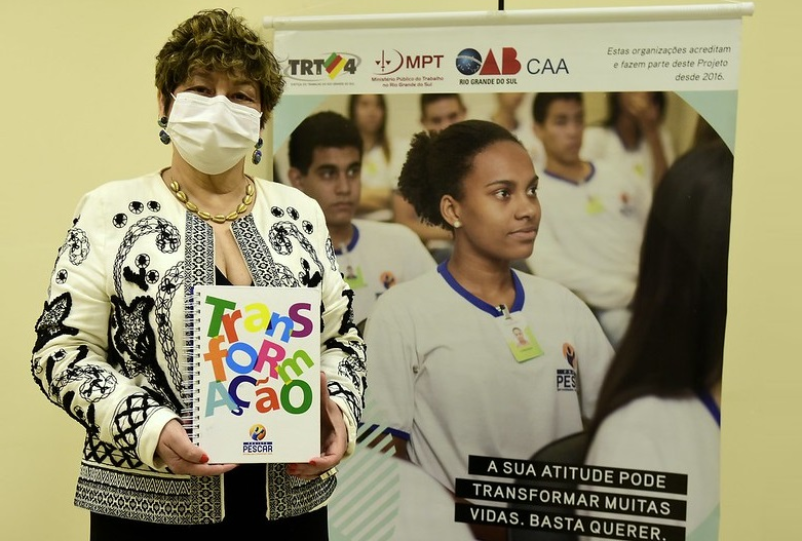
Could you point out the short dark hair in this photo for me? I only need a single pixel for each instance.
(426, 99)
(675, 342)
(326, 129)
(614, 106)
(438, 161)
(215, 40)
(543, 100)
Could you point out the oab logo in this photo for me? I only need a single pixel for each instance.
(258, 432)
(318, 69)
(470, 62)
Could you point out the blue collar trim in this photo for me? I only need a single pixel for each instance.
(517, 305)
(351, 245)
(711, 406)
(569, 181)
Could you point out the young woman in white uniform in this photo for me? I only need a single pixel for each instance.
(659, 406)
(448, 375)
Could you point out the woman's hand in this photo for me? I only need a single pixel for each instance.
(333, 439)
(182, 456)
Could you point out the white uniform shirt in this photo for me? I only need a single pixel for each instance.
(442, 374)
(590, 234)
(601, 143)
(379, 172)
(677, 435)
(378, 257)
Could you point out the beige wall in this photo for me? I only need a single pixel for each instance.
(78, 108)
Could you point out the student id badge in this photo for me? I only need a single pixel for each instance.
(594, 206)
(518, 336)
(352, 274)
(354, 277)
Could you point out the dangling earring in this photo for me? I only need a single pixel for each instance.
(257, 154)
(163, 136)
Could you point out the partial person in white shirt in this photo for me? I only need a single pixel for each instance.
(633, 135)
(382, 157)
(325, 153)
(506, 113)
(593, 218)
(659, 407)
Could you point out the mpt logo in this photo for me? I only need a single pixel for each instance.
(394, 60)
(470, 62)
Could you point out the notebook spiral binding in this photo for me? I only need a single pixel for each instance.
(190, 414)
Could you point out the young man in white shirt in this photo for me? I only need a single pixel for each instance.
(593, 216)
(325, 153)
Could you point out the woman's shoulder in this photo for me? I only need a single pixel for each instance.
(651, 412)
(416, 295)
(133, 197)
(537, 285)
(387, 230)
(144, 184)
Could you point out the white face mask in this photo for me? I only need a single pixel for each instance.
(212, 134)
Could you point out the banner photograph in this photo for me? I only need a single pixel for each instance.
(533, 217)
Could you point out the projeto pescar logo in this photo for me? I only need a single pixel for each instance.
(331, 66)
(257, 432)
(257, 445)
(470, 62)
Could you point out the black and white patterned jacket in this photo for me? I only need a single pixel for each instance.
(109, 340)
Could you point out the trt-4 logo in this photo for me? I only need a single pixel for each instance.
(392, 60)
(315, 69)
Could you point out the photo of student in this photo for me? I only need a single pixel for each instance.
(519, 336)
(633, 135)
(437, 112)
(506, 113)
(443, 378)
(325, 154)
(659, 407)
(382, 156)
(593, 217)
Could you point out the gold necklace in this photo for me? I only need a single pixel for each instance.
(250, 190)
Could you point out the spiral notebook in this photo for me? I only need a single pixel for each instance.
(253, 388)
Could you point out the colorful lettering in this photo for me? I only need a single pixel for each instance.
(272, 354)
(292, 363)
(218, 396)
(215, 355)
(306, 397)
(249, 352)
(306, 324)
(220, 307)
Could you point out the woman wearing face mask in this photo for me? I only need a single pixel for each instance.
(449, 378)
(110, 341)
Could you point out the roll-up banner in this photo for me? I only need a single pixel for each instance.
(483, 463)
